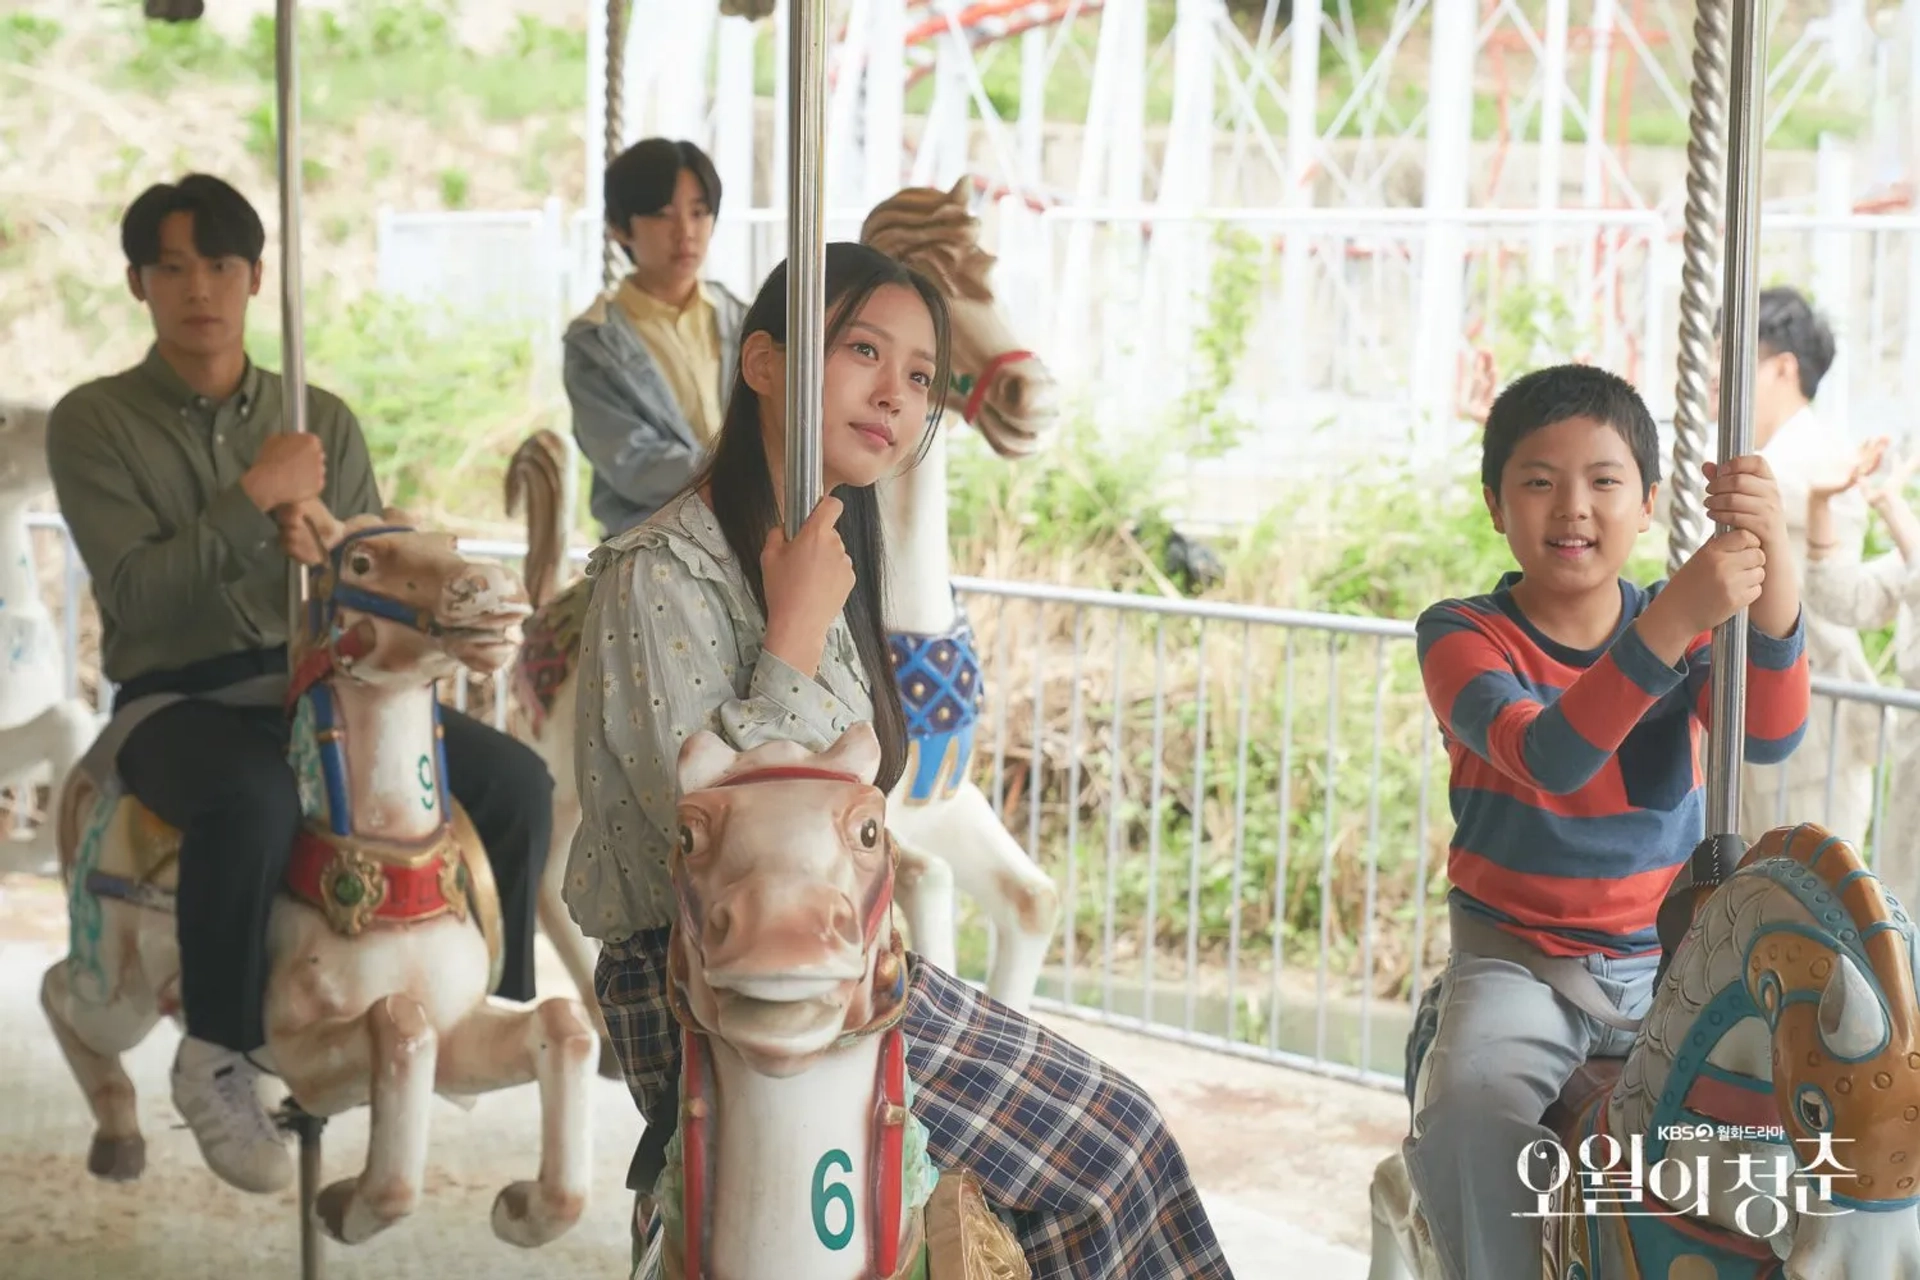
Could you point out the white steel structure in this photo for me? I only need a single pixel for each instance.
(1425, 178)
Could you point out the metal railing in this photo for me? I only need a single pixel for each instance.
(1245, 810)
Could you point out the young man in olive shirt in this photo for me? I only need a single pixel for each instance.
(179, 492)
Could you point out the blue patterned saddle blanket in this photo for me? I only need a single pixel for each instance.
(942, 690)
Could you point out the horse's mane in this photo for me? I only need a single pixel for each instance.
(933, 232)
(1881, 927)
(534, 476)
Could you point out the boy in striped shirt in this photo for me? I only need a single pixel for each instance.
(1572, 703)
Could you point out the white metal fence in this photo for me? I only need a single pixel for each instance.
(1244, 808)
(1125, 304)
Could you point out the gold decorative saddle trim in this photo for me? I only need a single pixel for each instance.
(965, 1241)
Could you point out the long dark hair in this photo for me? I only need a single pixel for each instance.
(741, 480)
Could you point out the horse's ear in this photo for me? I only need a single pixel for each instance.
(705, 758)
(326, 530)
(1852, 1022)
(365, 520)
(857, 752)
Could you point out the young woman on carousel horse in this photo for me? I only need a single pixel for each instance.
(1573, 702)
(646, 367)
(183, 498)
(708, 617)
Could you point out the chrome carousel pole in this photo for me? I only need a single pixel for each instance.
(1706, 183)
(613, 262)
(806, 254)
(1746, 77)
(293, 417)
(293, 341)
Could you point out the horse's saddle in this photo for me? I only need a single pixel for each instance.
(965, 1239)
(355, 883)
(1593, 1078)
(550, 644)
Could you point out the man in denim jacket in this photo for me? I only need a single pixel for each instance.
(648, 365)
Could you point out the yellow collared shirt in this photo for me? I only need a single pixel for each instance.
(685, 343)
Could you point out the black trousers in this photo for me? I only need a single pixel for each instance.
(220, 775)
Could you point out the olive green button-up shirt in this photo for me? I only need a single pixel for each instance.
(147, 472)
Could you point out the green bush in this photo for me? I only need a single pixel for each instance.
(26, 37)
(442, 399)
(404, 56)
(1330, 808)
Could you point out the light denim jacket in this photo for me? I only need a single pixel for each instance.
(625, 417)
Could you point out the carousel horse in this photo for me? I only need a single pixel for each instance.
(387, 938)
(42, 731)
(948, 832)
(1788, 1012)
(798, 1155)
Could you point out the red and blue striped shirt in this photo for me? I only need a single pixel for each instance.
(1576, 785)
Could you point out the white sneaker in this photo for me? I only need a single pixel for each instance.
(217, 1092)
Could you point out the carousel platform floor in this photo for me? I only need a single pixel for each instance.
(1282, 1158)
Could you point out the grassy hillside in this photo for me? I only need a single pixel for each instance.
(413, 105)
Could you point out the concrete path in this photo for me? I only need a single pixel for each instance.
(1282, 1159)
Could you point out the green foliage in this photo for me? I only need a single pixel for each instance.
(454, 188)
(25, 37)
(1879, 642)
(1233, 303)
(1243, 845)
(1244, 842)
(1533, 328)
(405, 56)
(440, 398)
(169, 53)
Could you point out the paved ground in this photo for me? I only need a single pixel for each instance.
(1282, 1158)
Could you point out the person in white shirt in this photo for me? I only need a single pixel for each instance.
(1829, 779)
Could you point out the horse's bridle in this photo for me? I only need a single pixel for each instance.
(331, 594)
(328, 596)
(976, 388)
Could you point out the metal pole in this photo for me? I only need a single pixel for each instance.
(806, 254)
(1742, 66)
(293, 357)
(1706, 176)
(1746, 137)
(613, 262)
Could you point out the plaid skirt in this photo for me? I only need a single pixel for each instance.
(1075, 1156)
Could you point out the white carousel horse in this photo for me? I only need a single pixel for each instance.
(948, 832)
(1790, 1004)
(43, 733)
(798, 1156)
(387, 940)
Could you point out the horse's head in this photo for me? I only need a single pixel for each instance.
(395, 605)
(23, 451)
(1835, 985)
(1005, 391)
(784, 875)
